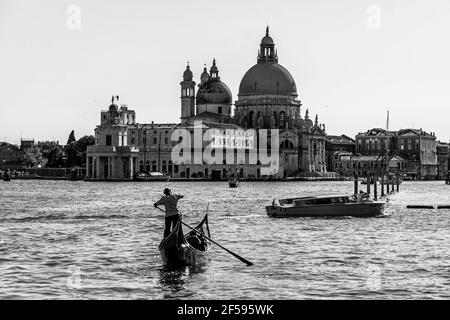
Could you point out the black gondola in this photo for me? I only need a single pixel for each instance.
(179, 249)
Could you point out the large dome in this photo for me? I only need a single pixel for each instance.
(266, 79)
(213, 92)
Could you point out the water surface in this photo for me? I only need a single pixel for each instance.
(99, 240)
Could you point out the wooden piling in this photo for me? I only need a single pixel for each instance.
(398, 183)
(375, 191)
(393, 184)
(368, 184)
(382, 185)
(356, 185)
(387, 184)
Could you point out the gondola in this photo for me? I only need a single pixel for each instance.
(233, 182)
(179, 249)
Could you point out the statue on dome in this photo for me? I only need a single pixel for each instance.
(273, 121)
(260, 121)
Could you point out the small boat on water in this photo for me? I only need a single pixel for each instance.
(325, 206)
(152, 176)
(6, 176)
(179, 249)
(233, 182)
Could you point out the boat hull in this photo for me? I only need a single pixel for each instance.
(175, 250)
(333, 210)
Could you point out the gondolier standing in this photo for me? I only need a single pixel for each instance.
(170, 202)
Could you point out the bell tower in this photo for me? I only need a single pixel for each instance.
(187, 95)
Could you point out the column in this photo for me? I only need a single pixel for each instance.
(87, 166)
(92, 168)
(309, 155)
(97, 167)
(131, 167)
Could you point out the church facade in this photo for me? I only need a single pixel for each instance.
(267, 102)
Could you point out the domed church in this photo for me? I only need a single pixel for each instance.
(267, 99)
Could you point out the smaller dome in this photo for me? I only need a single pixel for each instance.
(113, 108)
(213, 92)
(267, 40)
(187, 75)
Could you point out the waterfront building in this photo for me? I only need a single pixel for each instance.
(416, 147)
(25, 144)
(267, 99)
(11, 156)
(350, 165)
(443, 152)
(337, 146)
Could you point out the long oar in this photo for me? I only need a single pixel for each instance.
(230, 252)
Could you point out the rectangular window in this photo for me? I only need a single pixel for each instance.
(132, 140)
(154, 140)
(219, 110)
(108, 140)
(166, 140)
(409, 144)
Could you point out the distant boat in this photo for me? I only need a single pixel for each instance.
(233, 182)
(325, 206)
(152, 176)
(6, 176)
(179, 249)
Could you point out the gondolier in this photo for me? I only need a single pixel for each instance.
(170, 202)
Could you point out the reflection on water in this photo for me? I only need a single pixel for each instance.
(176, 279)
(81, 240)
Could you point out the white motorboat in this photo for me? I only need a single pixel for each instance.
(326, 206)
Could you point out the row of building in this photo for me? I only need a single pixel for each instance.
(231, 137)
(267, 103)
(413, 153)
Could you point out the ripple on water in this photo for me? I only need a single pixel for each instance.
(60, 240)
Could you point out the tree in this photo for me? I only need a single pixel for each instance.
(71, 137)
(55, 158)
(82, 143)
(76, 151)
(33, 156)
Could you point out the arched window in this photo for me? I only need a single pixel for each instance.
(251, 119)
(154, 166)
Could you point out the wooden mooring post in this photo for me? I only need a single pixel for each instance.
(382, 185)
(368, 184)
(356, 184)
(393, 185)
(375, 189)
(398, 183)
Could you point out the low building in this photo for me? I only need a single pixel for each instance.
(419, 149)
(347, 164)
(335, 146)
(443, 152)
(415, 147)
(25, 144)
(11, 156)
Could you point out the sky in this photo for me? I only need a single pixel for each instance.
(352, 60)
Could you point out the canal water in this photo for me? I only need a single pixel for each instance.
(95, 240)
